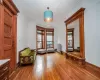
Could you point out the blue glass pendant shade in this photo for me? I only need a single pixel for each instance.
(48, 16)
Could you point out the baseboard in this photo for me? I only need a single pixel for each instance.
(92, 65)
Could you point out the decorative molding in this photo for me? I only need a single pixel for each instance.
(75, 16)
(11, 6)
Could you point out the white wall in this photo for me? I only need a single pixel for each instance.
(92, 33)
(32, 35)
(91, 26)
(22, 25)
(62, 35)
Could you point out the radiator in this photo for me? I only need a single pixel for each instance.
(59, 47)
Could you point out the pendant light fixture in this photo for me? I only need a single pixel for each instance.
(48, 15)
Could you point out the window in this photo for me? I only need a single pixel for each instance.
(44, 38)
(50, 41)
(70, 39)
(39, 41)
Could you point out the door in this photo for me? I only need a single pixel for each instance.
(9, 52)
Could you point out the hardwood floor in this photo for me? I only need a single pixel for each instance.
(54, 67)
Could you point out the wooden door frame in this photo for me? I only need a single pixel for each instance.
(78, 15)
(71, 30)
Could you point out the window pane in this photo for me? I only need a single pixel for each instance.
(69, 39)
(39, 37)
(49, 37)
(39, 44)
(49, 44)
(39, 31)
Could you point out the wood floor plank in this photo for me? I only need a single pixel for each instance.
(55, 66)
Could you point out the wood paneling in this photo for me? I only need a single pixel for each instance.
(7, 31)
(55, 67)
(11, 6)
(8, 36)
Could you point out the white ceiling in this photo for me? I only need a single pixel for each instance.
(34, 9)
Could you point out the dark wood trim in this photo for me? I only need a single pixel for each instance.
(11, 6)
(49, 29)
(40, 28)
(78, 15)
(14, 6)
